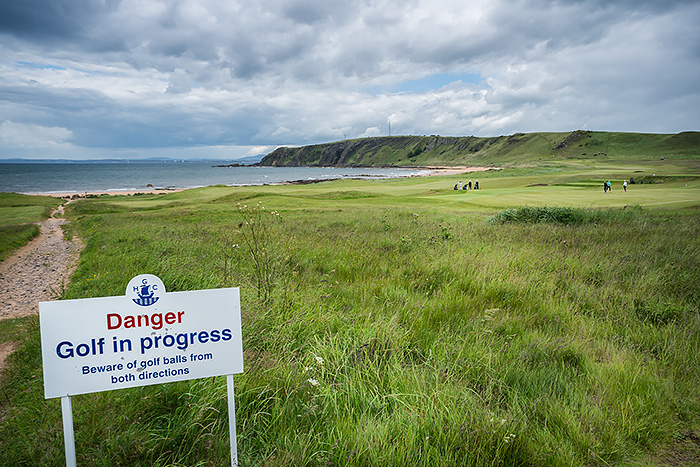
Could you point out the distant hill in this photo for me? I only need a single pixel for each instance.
(434, 150)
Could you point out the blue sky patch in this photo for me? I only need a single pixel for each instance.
(38, 66)
(436, 81)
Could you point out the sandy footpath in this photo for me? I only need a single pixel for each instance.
(36, 273)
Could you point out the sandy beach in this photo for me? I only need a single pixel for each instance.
(83, 194)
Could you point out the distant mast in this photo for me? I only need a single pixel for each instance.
(388, 120)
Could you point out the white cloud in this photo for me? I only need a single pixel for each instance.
(373, 131)
(29, 135)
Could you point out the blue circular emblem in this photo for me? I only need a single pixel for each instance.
(145, 290)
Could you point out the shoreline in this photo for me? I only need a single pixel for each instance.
(87, 194)
(431, 171)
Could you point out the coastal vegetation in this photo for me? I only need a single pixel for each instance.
(537, 321)
(20, 216)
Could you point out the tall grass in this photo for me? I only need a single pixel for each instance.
(393, 336)
(15, 236)
(20, 216)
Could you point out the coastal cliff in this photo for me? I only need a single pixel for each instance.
(415, 151)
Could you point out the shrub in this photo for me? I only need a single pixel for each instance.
(546, 214)
(563, 215)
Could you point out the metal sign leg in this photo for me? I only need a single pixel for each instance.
(68, 435)
(232, 420)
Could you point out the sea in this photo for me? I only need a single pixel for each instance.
(87, 177)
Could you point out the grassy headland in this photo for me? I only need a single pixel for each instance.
(401, 322)
(579, 145)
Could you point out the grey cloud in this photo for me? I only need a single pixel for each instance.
(43, 20)
(180, 82)
(648, 6)
(310, 11)
(301, 71)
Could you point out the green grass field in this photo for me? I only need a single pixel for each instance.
(399, 322)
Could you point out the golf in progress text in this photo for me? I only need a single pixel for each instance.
(146, 369)
(66, 349)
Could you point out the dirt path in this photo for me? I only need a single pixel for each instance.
(36, 273)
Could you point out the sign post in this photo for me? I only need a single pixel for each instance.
(232, 420)
(146, 337)
(68, 434)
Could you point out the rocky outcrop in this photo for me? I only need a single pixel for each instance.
(574, 137)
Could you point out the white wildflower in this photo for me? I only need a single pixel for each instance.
(312, 381)
(319, 360)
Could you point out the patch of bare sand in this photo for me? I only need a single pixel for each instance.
(36, 273)
(440, 170)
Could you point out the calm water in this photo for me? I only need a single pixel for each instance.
(121, 176)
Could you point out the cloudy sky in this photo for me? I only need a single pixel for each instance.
(226, 79)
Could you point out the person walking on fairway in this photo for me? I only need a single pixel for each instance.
(624, 186)
(605, 186)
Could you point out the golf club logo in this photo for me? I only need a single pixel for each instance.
(146, 293)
